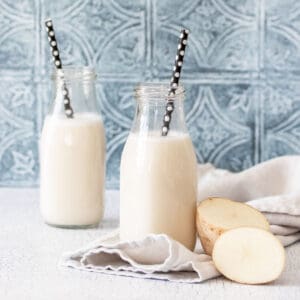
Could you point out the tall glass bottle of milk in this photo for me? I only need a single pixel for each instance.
(158, 180)
(72, 154)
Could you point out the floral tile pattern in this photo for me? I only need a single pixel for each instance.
(282, 36)
(282, 122)
(240, 74)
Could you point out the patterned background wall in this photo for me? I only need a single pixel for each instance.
(241, 73)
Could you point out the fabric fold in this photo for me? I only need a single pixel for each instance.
(155, 256)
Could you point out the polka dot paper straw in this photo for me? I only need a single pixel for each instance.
(57, 62)
(174, 81)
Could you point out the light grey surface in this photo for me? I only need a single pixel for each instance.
(30, 252)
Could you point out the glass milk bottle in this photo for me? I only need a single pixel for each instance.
(72, 154)
(158, 180)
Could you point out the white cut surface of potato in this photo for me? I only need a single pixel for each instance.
(249, 255)
(217, 215)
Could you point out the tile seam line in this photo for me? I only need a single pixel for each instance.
(262, 28)
(38, 62)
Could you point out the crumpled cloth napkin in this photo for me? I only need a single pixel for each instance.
(157, 256)
(273, 187)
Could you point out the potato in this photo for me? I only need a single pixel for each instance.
(217, 215)
(249, 255)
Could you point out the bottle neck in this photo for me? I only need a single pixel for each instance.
(80, 83)
(151, 107)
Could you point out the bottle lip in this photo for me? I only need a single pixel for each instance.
(157, 91)
(70, 73)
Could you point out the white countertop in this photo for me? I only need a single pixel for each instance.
(30, 251)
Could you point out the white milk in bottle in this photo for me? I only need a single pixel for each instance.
(158, 173)
(72, 157)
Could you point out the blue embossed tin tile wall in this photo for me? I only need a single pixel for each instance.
(241, 74)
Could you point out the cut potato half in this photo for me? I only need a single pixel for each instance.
(249, 255)
(217, 215)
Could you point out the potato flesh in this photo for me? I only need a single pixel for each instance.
(249, 255)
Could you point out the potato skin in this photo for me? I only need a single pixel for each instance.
(208, 234)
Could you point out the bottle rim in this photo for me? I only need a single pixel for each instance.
(70, 73)
(157, 92)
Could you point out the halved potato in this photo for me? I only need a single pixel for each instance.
(217, 215)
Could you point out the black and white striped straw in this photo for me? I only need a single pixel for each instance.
(57, 62)
(174, 81)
